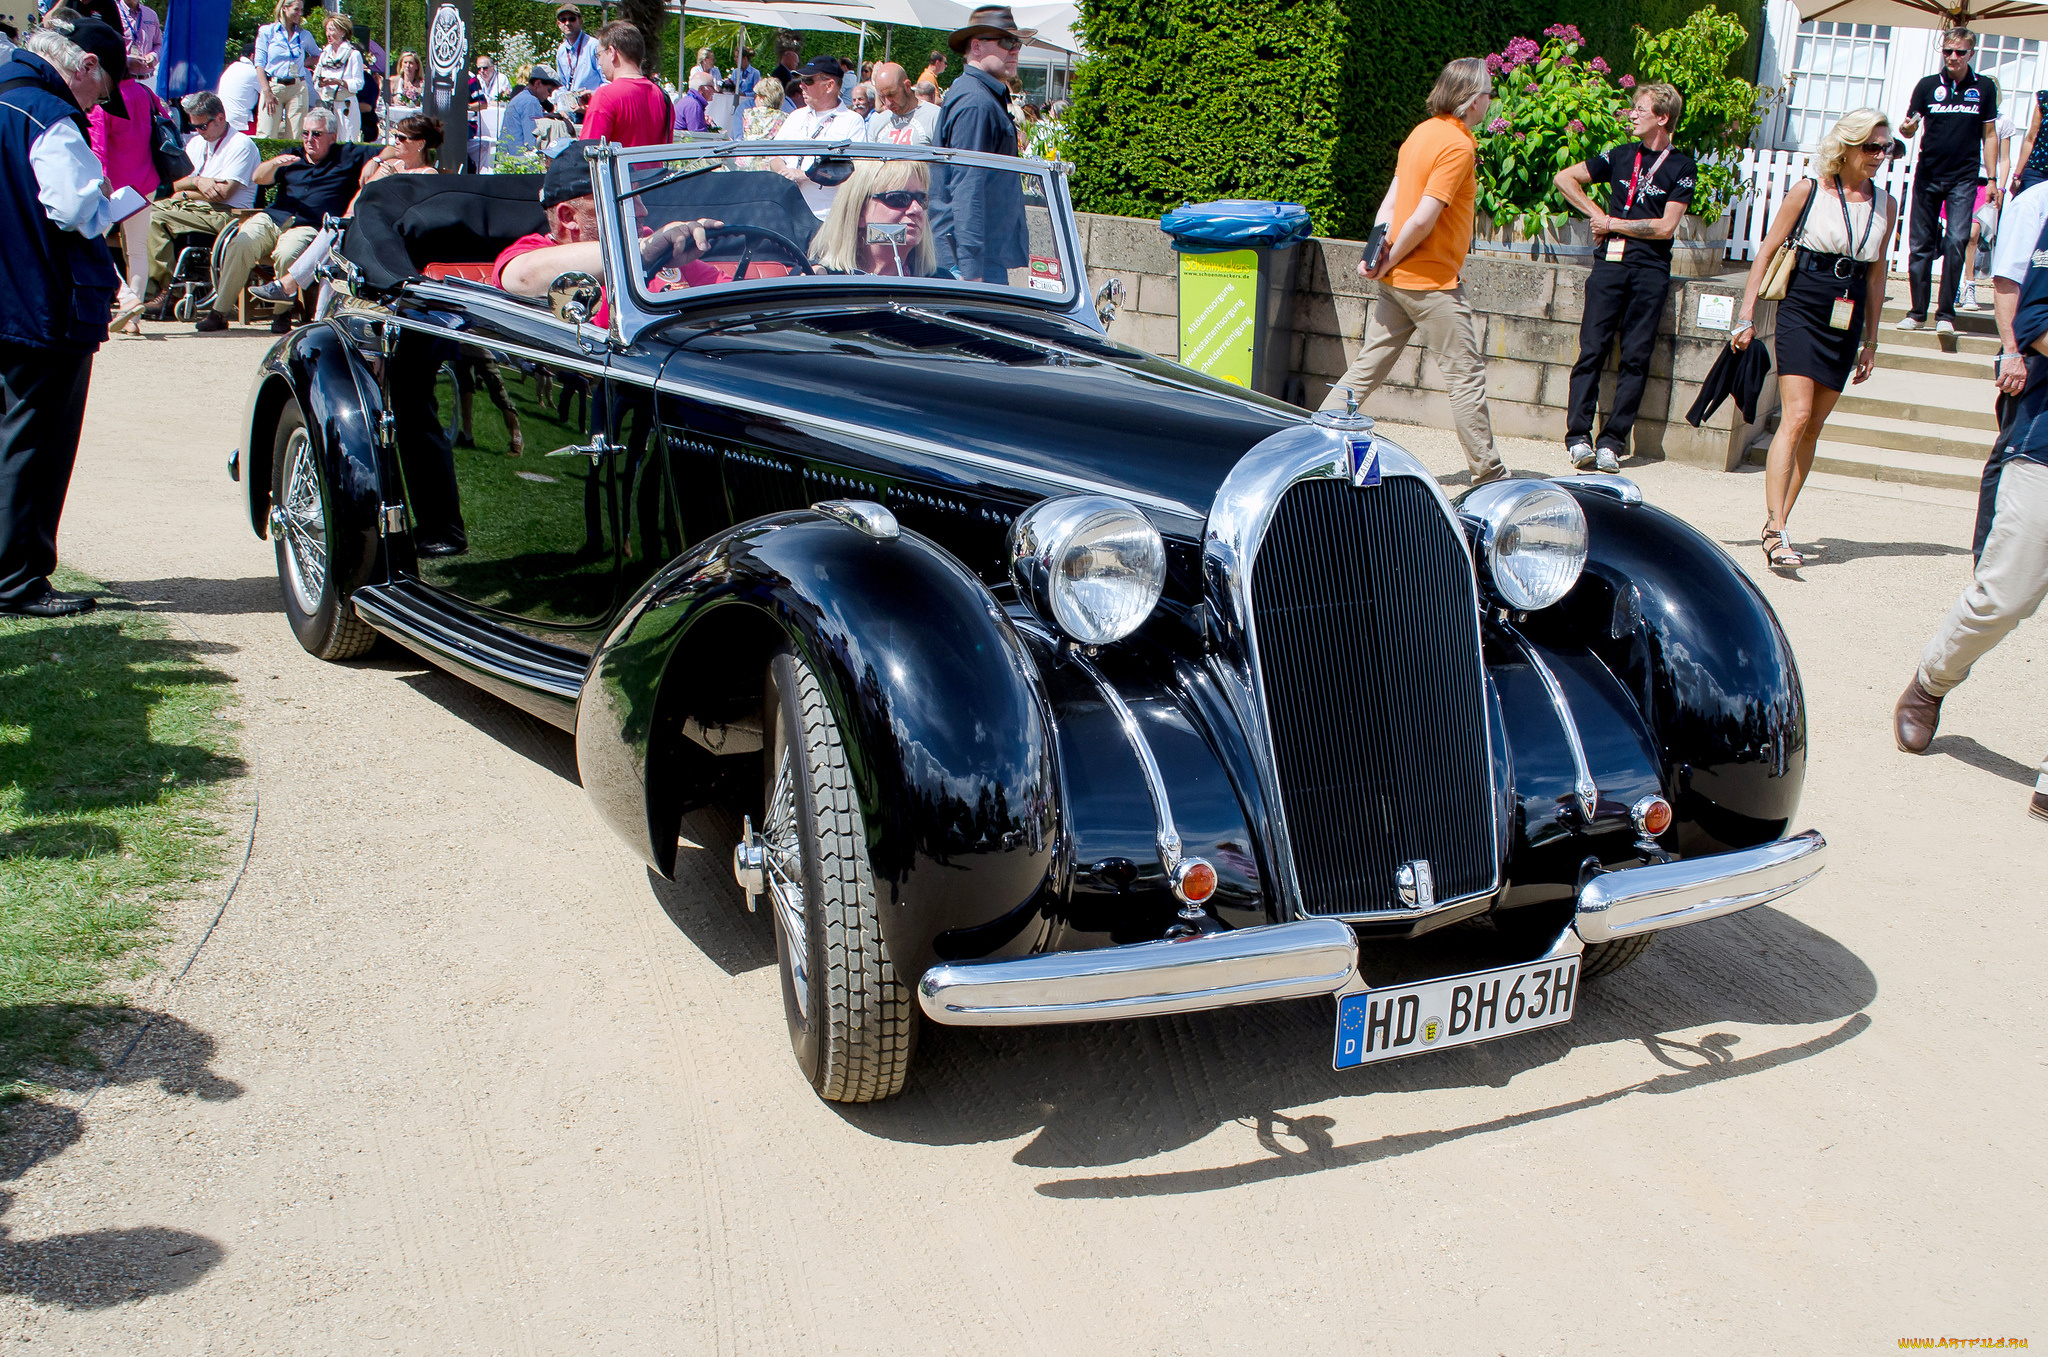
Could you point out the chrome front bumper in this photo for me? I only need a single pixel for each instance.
(1320, 956)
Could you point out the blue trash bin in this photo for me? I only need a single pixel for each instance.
(1238, 244)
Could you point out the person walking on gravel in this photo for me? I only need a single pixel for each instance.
(1427, 213)
(2012, 511)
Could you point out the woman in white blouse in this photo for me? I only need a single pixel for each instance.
(339, 78)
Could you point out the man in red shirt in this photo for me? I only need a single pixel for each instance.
(530, 263)
(628, 108)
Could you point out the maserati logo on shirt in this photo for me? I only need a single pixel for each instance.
(1972, 95)
(1941, 91)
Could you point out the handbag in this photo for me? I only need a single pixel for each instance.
(166, 150)
(1778, 273)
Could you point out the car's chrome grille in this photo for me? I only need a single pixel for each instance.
(1369, 656)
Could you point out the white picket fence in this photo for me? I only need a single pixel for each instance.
(1772, 173)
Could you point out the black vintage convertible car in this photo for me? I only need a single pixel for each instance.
(1053, 681)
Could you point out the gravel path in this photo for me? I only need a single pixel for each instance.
(457, 1075)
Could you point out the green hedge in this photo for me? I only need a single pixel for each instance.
(1303, 101)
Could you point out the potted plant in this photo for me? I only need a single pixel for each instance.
(1550, 110)
(1721, 113)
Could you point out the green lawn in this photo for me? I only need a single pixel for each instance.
(114, 743)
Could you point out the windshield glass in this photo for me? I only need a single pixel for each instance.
(808, 210)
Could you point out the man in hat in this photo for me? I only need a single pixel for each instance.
(977, 214)
(821, 118)
(528, 107)
(576, 58)
(58, 288)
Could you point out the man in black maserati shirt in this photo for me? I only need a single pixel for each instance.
(1961, 109)
(1649, 185)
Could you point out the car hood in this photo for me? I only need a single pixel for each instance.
(1022, 389)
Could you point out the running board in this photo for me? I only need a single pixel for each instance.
(538, 678)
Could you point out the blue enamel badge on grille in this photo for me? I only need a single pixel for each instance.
(1365, 461)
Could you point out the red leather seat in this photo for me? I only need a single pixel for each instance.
(475, 273)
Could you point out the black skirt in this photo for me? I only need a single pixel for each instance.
(1806, 345)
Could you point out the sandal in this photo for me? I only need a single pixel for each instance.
(1778, 554)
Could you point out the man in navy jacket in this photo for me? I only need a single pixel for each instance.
(57, 286)
(978, 214)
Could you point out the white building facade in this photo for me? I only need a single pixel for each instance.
(1834, 67)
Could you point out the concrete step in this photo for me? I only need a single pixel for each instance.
(1902, 358)
(1889, 464)
(1962, 341)
(1967, 322)
(1927, 398)
(1878, 432)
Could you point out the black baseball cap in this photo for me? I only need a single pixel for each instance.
(567, 175)
(828, 66)
(100, 38)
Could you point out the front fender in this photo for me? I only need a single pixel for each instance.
(341, 400)
(940, 707)
(1703, 658)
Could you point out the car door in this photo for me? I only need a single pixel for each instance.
(512, 487)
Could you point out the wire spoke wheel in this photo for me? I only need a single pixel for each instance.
(786, 877)
(305, 523)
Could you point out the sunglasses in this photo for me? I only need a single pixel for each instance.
(1007, 44)
(813, 79)
(1875, 148)
(1955, 51)
(901, 199)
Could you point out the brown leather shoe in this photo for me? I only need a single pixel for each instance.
(2038, 807)
(1915, 717)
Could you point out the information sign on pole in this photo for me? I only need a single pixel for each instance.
(1219, 296)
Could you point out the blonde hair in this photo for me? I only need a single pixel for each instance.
(838, 245)
(1851, 130)
(277, 14)
(344, 23)
(1665, 102)
(1460, 83)
(768, 92)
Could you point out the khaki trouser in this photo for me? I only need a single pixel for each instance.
(259, 241)
(1444, 322)
(174, 216)
(291, 108)
(2012, 578)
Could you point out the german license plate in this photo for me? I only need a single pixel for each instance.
(1386, 1024)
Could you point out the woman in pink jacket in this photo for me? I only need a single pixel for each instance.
(123, 148)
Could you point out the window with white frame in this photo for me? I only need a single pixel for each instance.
(2015, 63)
(1835, 67)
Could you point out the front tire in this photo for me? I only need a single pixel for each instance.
(852, 1017)
(1534, 926)
(300, 526)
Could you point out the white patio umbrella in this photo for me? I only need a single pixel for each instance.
(2009, 18)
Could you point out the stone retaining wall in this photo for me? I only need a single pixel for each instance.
(1529, 330)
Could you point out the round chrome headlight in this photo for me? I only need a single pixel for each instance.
(1529, 538)
(1089, 565)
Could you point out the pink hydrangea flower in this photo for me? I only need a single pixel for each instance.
(1520, 52)
(1599, 64)
(1521, 136)
(1564, 63)
(1568, 32)
(1497, 126)
(1575, 125)
(1628, 82)
(1493, 62)
(1531, 88)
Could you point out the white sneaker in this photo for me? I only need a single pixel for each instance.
(1944, 327)
(1580, 450)
(1966, 296)
(1908, 323)
(1606, 460)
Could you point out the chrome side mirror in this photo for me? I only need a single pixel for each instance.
(1108, 298)
(573, 297)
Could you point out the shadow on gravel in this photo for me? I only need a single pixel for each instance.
(1123, 1092)
(1827, 551)
(704, 904)
(526, 735)
(203, 597)
(95, 1269)
(1963, 749)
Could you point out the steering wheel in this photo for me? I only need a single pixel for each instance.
(757, 235)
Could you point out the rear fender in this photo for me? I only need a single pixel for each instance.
(936, 698)
(341, 401)
(1703, 659)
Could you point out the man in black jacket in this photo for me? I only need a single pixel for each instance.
(978, 214)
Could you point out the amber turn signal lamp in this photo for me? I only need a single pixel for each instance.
(1652, 815)
(1194, 881)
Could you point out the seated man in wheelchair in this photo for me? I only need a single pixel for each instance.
(310, 188)
(220, 189)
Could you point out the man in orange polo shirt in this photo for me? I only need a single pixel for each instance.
(1428, 216)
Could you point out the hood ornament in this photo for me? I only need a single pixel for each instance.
(1361, 452)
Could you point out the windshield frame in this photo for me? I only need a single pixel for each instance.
(632, 313)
